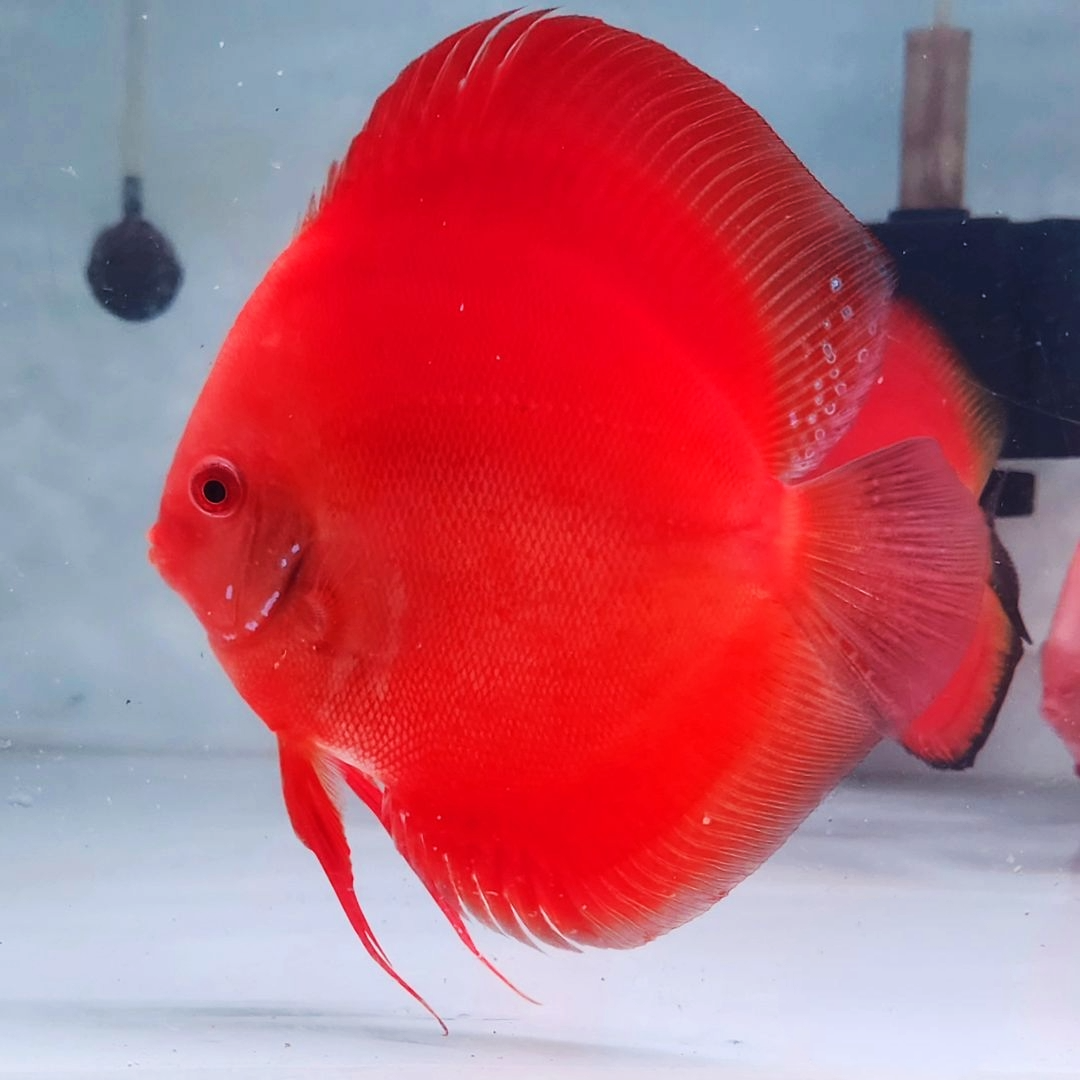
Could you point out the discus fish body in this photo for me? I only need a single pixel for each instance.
(508, 504)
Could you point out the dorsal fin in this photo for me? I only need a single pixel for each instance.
(623, 152)
(925, 390)
(977, 413)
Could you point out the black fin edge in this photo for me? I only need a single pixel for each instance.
(967, 759)
(1005, 582)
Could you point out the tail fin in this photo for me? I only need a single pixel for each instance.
(898, 554)
(925, 390)
(950, 733)
(1005, 582)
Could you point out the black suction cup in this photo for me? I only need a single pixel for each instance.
(133, 270)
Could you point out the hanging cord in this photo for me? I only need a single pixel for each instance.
(131, 132)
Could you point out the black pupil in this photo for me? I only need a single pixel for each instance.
(214, 492)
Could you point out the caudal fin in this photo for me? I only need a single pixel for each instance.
(1005, 582)
(925, 390)
(950, 733)
(898, 553)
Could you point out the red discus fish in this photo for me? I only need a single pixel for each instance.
(1061, 664)
(506, 503)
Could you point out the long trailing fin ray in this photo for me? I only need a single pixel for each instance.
(898, 553)
(372, 798)
(608, 144)
(307, 783)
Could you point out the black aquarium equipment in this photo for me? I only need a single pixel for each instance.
(1007, 293)
(133, 270)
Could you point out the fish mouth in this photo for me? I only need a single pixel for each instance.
(158, 557)
(154, 548)
(272, 600)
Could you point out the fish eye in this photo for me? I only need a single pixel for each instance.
(216, 488)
